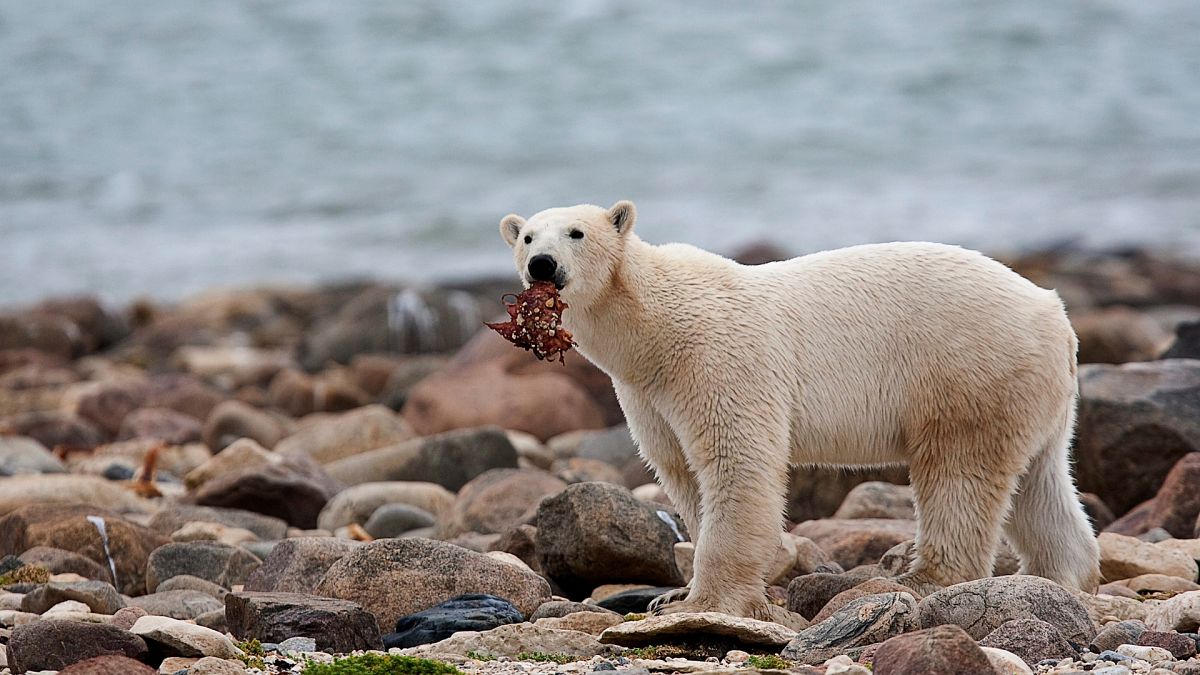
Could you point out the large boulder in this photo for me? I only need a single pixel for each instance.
(221, 564)
(747, 633)
(54, 644)
(338, 626)
(499, 500)
(1135, 422)
(295, 564)
(984, 605)
(293, 488)
(335, 436)
(450, 459)
(392, 578)
(358, 503)
(596, 533)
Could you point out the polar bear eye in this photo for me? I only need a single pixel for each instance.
(528, 239)
(577, 234)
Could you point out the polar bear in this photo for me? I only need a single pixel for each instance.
(922, 354)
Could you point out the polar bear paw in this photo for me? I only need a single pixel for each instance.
(670, 597)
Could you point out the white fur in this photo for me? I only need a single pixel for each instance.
(916, 353)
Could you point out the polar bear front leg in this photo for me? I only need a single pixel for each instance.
(660, 447)
(741, 470)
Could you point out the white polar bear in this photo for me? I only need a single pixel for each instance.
(923, 354)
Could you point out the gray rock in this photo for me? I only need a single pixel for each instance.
(214, 620)
(180, 638)
(1116, 634)
(449, 459)
(983, 605)
(595, 533)
(19, 454)
(356, 504)
(560, 608)
(174, 516)
(613, 446)
(54, 644)
(179, 604)
(302, 645)
(865, 621)
(99, 596)
(295, 565)
(336, 625)
(876, 499)
(294, 489)
(221, 564)
(519, 638)
(59, 561)
(393, 520)
(1031, 639)
(187, 582)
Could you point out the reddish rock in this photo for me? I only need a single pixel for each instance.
(54, 335)
(54, 644)
(1177, 503)
(161, 424)
(299, 394)
(944, 650)
(108, 665)
(232, 420)
(1031, 639)
(106, 404)
(1135, 522)
(1097, 511)
(499, 500)
(294, 564)
(1180, 646)
(807, 594)
(183, 394)
(860, 541)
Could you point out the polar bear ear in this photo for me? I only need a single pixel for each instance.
(510, 227)
(622, 215)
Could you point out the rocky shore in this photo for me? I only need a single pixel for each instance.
(358, 478)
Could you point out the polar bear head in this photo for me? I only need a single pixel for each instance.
(576, 247)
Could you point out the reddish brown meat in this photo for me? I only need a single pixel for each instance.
(535, 322)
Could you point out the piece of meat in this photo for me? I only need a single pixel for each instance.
(535, 322)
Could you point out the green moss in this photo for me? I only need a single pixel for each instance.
(543, 656)
(768, 662)
(480, 656)
(634, 617)
(380, 664)
(253, 653)
(26, 574)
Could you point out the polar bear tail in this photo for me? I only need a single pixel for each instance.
(1047, 525)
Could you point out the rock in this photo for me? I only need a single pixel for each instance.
(1187, 342)
(211, 665)
(561, 608)
(341, 435)
(108, 665)
(449, 459)
(293, 488)
(214, 620)
(55, 489)
(1005, 662)
(1117, 335)
(183, 604)
(1180, 613)
(1031, 639)
(623, 599)
(183, 394)
(295, 564)
(106, 404)
(20, 455)
(127, 616)
(518, 638)
(1124, 557)
(1103, 608)
(876, 499)
(54, 644)
(205, 531)
(162, 424)
(1179, 646)
(470, 612)
(180, 638)
(592, 533)
(393, 520)
(68, 528)
(59, 561)
(1177, 503)
(1148, 654)
(234, 420)
(809, 593)
(581, 470)
(816, 493)
(175, 516)
(499, 500)
(241, 455)
(337, 625)
(749, 633)
(232, 367)
(592, 623)
(99, 596)
(298, 644)
(221, 564)
(392, 578)
(869, 587)
(1135, 422)
(1097, 511)
(54, 429)
(865, 621)
(984, 605)
(356, 504)
(1116, 634)
(299, 394)
(1156, 583)
(187, 582)
(943, 650)
(857, 542)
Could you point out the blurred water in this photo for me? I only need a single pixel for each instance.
(164, 147)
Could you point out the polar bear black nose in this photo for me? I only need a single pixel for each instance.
(542, 267)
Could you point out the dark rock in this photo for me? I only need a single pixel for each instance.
(470, 612)
(807, 594)
(1116, 634)
(219, 563)
(498, 500)
(633, 601)
(294, 565)
(59, 561)
(865, 621)
(1030, 639)
(294, 490)
(1097, 511)
(54, 429)
(1135, 422)
(521, 541)
(174, 516)
(337, 625)
(561, 608)
(393, 520)
(53, 335)
(944, 650)
(97, 327)
(450, 459)
(99, 596)
(392, 578)
(162, 424)
(1181, 646)
(984, 605)
(596, 533)
(181, 604)
(108, 665)
(54, 644)
(1187, 342)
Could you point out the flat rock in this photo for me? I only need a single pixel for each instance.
(54, 644)
(592, 623)
(335, 436)
(180, 638)
(108, 665)
(449, 459)
(180, 604)
(392, 578)
(338, 626)
(1124, 557)
(294, 565)
(499, 500)
(593, 533)
(658, 629)
(983, 605)
(943, 650)
(865, 621)
(1180, 613)
(518, 638)
(857, 541)
(175, 516)
(356, 504)
(99, 596)
(470, 612)
(1031, 639)
(221, 564)
(561, 608)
